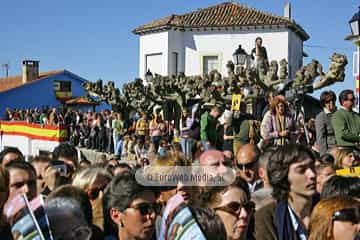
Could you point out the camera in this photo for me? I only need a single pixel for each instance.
(60, 167)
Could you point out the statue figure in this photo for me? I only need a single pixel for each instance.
(299, 76)
(262, 70)
(283, 69)
(258, 53)
(241, 75)
(272, 78)
(336, 71)
(230, 67)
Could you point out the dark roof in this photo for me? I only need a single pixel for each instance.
(228, 14)
(17, 81)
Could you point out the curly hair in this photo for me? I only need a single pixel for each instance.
(278, 99)
(279, 165)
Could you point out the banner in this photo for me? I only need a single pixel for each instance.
(28, 220)
(235, 102)
(349, 172)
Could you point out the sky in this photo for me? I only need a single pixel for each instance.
(94, 39)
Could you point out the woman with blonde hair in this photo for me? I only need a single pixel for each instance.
(345, 158)
(93, 181)
(278, 126)
(335, 218)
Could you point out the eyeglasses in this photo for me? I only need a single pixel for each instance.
(249, 165)
(351, 99)
(146, 208)
(234, 208)
(347, 215)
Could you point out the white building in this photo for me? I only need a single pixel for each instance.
(205, 39)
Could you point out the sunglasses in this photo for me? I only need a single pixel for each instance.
(146, 208)
(234, 208)
(250, 165)
(347, 215)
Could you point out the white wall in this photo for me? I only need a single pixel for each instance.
(192, 45)
(295, 53)
(153, 44)
(27, 145)
(176, 44)
(226, 42)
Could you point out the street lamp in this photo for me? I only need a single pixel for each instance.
(355, 38)
(148, 76)
(240, 56)
(355, 23)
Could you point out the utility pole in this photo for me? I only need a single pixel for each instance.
(6, 67)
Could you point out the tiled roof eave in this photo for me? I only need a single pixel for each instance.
(293, 26)
(152, 29)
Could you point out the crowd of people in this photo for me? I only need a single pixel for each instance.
(285, 186)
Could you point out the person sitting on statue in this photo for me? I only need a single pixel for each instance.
(259, 52)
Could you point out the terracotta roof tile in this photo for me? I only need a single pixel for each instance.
(226, 14)
(16, 81)
(83, 100)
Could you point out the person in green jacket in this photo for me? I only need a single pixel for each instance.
(346, 122)
(208, 130)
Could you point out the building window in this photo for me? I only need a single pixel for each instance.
(210, 63)
(62, 89)
(62, 86)
(174, 63)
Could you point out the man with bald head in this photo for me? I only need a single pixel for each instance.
(247, 164)
(216, 159)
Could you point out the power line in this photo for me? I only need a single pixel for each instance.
(327, 47)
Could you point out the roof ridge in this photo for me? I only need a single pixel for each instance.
(222, 14)
(261, 11)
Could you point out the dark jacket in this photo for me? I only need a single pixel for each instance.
(265, 224)
(325, 135)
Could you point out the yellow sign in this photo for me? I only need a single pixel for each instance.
(62, 95)
(235, 103)
(349, 172)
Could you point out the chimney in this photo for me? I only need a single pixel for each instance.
(30, 70)
(287, 10)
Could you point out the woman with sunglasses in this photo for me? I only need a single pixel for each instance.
(130, 208)
(93, 181)
(335, 218)
(232, 204)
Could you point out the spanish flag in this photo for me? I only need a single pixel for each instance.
(34, 131)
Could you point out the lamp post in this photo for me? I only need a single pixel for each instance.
(241, 57)
(148, 76)
(355, 38)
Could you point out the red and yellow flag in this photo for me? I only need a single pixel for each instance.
(34, 131)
